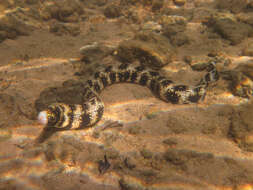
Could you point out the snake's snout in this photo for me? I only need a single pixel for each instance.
(42, 118)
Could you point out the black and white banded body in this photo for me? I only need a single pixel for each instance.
(62, 115)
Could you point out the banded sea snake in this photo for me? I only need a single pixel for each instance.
(62, 115)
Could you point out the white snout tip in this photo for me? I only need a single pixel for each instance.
(42, 118)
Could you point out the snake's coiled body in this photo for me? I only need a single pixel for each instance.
(61, 115)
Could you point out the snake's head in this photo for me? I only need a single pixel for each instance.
(50, 116)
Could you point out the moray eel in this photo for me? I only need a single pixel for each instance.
(62, 115)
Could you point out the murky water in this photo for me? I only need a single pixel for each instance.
(49, 48)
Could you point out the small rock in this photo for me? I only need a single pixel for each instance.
(245, 17)
(91, 48)
(229, 28)
(248, 51)
(3, 35)
(170, 142)
(146, 2)
(33, 152)
(151, 115)
(179, 2)
(151, 26)
(97, 2)
(246, 118)
(179, 39)
(112, 153)
(173, 25)
(241, 129)
(235, 6)
(169, 20)
(203, 3)
(112, 11)
(64, 28)
(241, 79)
(65, 11)
(94, 52)
(199, 66)
(148, 173)
(157, 5)
(146, 153)
(240, 84)
(202, 13)
(157, 161)
(250, 4)
(174, 28)
(181, 157)
(5, 134)
(96, 134)
(130, 162)
(103, 165)
(60, 94)
(149, 48)
(246, 69)
(15, 23)
(49, 10)
(31, 2)
(135, 130)
(10, 109)
(128, 2)
(175, 157)
(249, 142)
(127, 184)
(188, 59)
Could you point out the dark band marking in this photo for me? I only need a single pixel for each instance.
(144, 79)
(210, 67)
(85, 120)
(120, 77)
(123, 76)
(97, 75)
(89, 95)
(180, 88)
(172, 97)
(153, 85)
(126, 75)
(166, 82)
(157, 90)
(93, 101)
(56, 115)
(61, 118)
(90, 83)
(153, 73)
(112, 77)
(123, 66)
(85, 117)
(202, 82)
(207, 77)
(134, 77)
(194, 98)
(216, 75)
(71, 115)
(97, 87)
(104, 81)
(100, 112)
(108, 69)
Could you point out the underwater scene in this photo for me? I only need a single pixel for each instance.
(126, 95)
